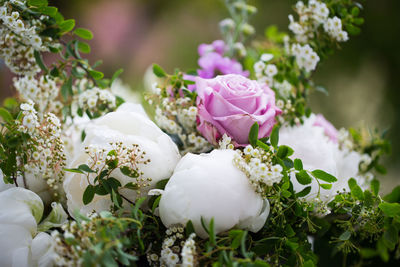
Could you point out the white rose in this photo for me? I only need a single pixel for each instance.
(20, 211)
(317, 151)
(129, 127)
(210, 186)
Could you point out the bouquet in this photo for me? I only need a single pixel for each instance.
(225, 165)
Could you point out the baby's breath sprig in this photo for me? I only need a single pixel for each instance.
(287, 61)
(176, 111)
(101, 165)
(36, 152)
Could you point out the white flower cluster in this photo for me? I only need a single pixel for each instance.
(46, 150)
(30, 120)
(306, 57)
(70, 255)
(19, 38)
(226, 142)
(311, 16)
(265, 72)
(173, 245)
(287, 108)
(177, 116)
(126, 156)
(285, 89)
(333, 26)
(344, 139)
(97, 100)
(42, 92)
(257, 165)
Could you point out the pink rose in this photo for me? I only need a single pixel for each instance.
(329, 129)
(231, 104)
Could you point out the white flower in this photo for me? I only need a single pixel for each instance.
(259, 66)
(29, 121)
(284, 88)
(271, 70)
(210, 186)
(333, 26)
(20, 211)
(130, 127)
(266, 57)
(317, 151)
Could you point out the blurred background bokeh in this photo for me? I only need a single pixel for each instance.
(363, 78)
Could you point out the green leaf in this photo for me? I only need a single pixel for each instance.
(39, 60)
(101, 190)
(308, 263)
(262, 145)
(289, 231)
(355, 189)
(274, 138)
(303, 177)
(66, 89)
(155, 204)
(162, 183)
(298, 164)
(74, 170)
(97, 75)
(84, 33)
(116, 198)
(7, 117)
(67, 25)
(158, 71)
(10, 103)
(38, 3)
(355, 11)
(116, 75)
(55, 72)
(345, 236)
(88, 195)
(304, 192)
(48, 10)
(85, 168)
(394, 196)
(324, 176)
(203, 224)
(352, 30)
(358, 21)
(253, 134)
(326, 186)
(391, 237)
(375, 187)
(368, 253)
(113, 183)
(390, 209)
(284, 151)
(83, 47)
(292, 245)
(132, 186)
(236, 236)
(380, 169)
(189, 228)
(211, 230)
(128, 172)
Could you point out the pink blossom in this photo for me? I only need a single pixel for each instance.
(231, 104)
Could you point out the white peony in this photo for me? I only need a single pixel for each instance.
(129, 126)
(317, 151)
(20, 245)
(210, 186)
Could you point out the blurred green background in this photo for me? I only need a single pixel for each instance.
(362, 78)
